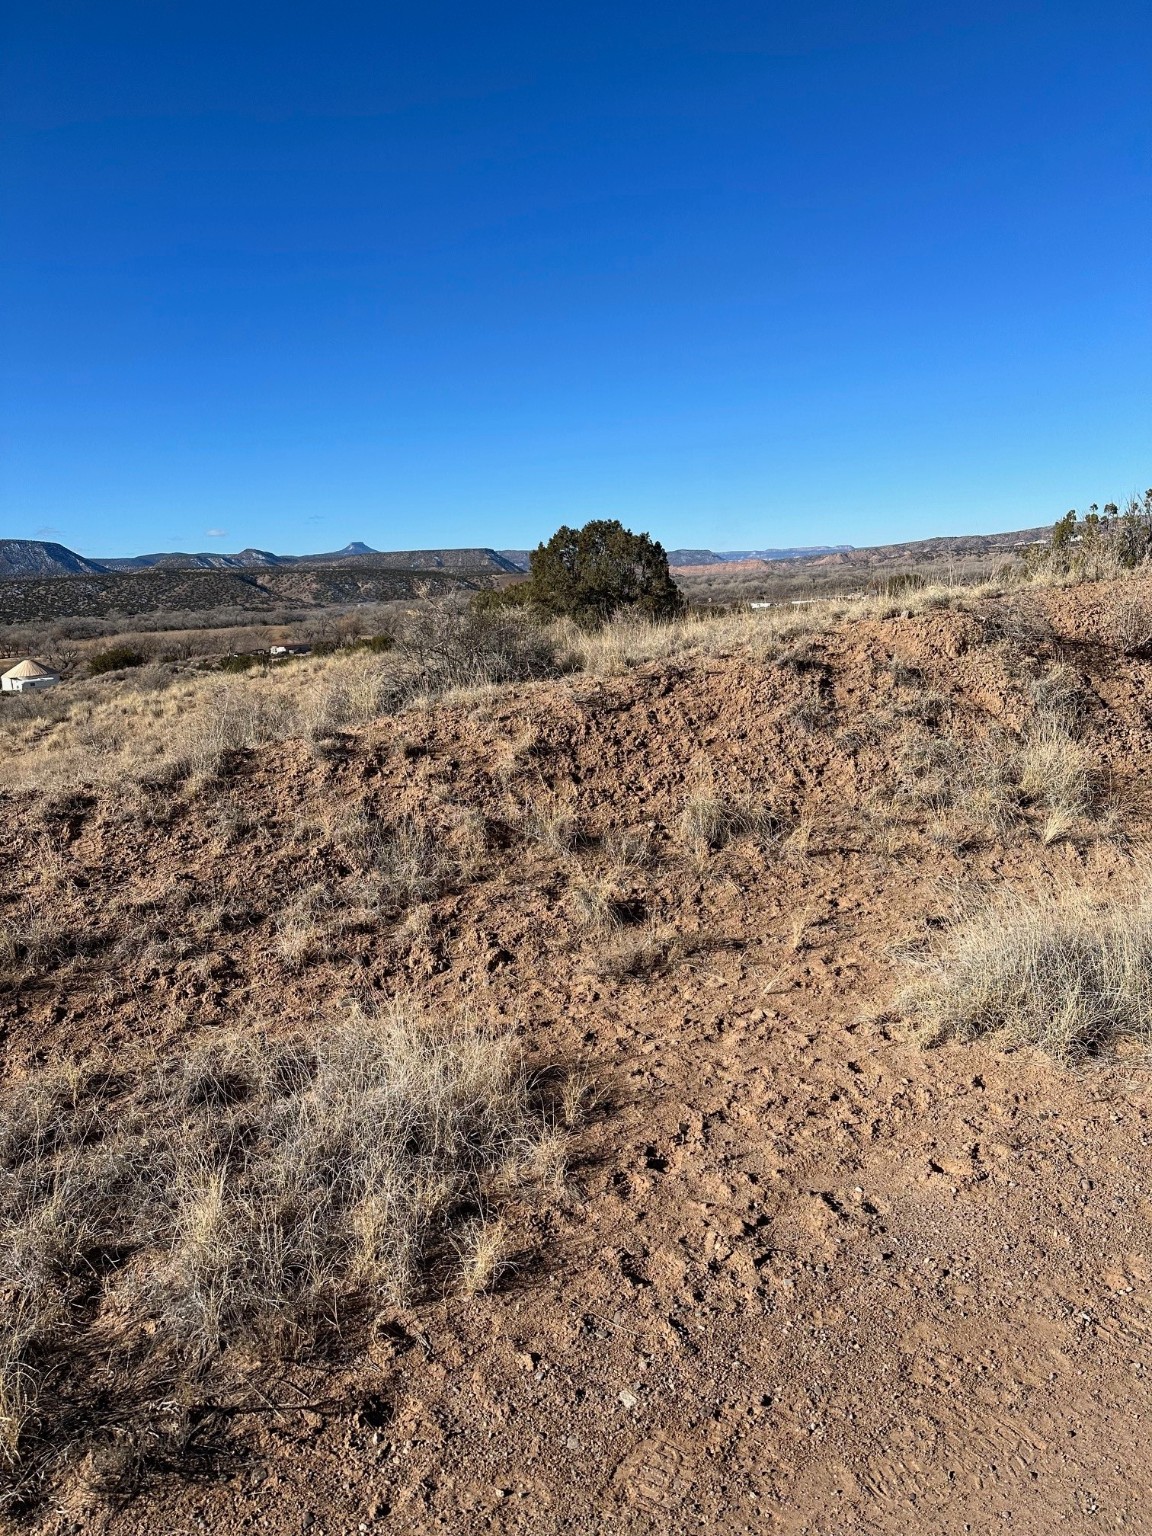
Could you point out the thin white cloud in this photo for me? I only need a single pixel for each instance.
(216, 533)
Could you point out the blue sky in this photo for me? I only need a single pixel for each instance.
(741, 274)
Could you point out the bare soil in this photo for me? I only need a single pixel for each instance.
(805, 1276)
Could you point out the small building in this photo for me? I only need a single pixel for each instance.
(26, 675)
(289, 650)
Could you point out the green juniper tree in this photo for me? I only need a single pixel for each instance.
(590, 573)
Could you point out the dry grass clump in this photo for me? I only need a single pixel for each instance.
(975, 788)
(1060, 696)
(167, 1224)
(598, 899)
(395, 866)
(1066, 973)
(1055, 773)
(30, 943)
(551, 820)
(632, 954)
(403, 861)
(709, 821)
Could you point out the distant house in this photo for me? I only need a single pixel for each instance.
(289, 650)
(26, 675)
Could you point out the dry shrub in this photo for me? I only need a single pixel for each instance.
(306, 926)
(1060, 697)
(1128, 623)
(31, 944)
(630, 848)
(169, 1223)
(1016, 623)
(1067, 973)
(441, 649)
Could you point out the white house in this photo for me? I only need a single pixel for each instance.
(26, 675)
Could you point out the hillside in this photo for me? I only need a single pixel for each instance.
(33, 558)
(160, 590)
(351, 556)
(800, 1256)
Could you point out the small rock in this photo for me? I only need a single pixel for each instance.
(629, 1399)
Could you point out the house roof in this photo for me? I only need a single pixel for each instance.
(28, 668)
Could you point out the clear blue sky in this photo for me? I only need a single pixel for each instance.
(437, 274)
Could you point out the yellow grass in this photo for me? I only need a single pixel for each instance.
(244, 1196)
(1067, 973)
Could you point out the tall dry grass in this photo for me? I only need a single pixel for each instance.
(1068, 973)
(168, 1222)
(185, 729)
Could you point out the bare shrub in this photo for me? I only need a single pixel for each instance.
(168, 1222)
(1066, 973)
(442, 648)
(1014, 622)
(1128, 623)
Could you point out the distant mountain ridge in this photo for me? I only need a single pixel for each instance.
(36, 558)
(676, 557)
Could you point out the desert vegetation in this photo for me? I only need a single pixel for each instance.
(1069, 972)
(168, 1220)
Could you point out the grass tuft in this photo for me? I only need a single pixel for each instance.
(1064, 973)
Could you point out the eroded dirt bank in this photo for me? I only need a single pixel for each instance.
(802, 1275)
